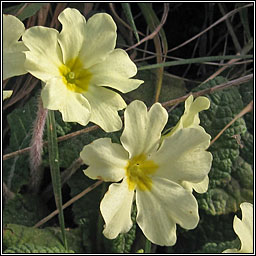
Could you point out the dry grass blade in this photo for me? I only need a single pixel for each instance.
(112, 8)
(155, 32)
(210, 27)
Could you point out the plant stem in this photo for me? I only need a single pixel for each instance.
(55, 170)
(147, 246)
(194, 60)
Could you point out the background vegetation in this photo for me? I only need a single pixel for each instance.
(175, 38)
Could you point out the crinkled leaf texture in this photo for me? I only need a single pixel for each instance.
(21, 120)
(30, 248)
(228, 186)
(16, 235)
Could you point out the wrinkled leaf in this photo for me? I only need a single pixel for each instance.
(16, 235)
(30, 248)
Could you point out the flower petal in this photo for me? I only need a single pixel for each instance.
(13, 64)
(104, 106)
(160, 209)
(200, 187)
(182, 156)
(115, 72)
(100, 39)
(73, 106)
(106, 160)
(13, 29)
(7, 94)
(244, 228)
(71, 37)
(142, 129)
(13, 56)
(115, 208)
(190, 118)
(44, 56)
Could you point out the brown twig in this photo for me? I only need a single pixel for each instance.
(247, 109)
(216, 88)
(154, 33)
(211, 26)
(71, 201)
(65, 175)
(166, 104)
(112, 8)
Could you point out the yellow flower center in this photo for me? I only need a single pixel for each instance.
(138, 171)
(74, 76)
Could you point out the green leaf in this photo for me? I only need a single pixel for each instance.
(13, 9)
(55, 169)
(86, 209)
(128, 13)
(30, 10)
(219, 247)
(15, 235)
(24, 209)
(225, 193)
(30, 248)
(16, 170)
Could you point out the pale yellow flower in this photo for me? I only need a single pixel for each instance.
(77, 65)
(13, 55)
(244, 229)
(7, 94)
(150, 174)
(189, 119)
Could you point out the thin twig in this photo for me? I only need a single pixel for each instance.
(65, 175)
(216, 88)
(247, 109)
(62, 138)
(154, 33)
(211, 26)
(245, 50)
(112, 8)
(71, 201)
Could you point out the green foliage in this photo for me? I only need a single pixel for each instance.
(86, 209)
(21, 120)
(219, 247)
(16, 170)
(128, 13)
(27, 12)
(225, 193)
(30, 248)
(24, 209)
(16, 235)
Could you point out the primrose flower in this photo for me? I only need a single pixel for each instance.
(244, 229)
(76, 66)
(13, 56)
(190, 119)
(7, 94)
(150, 173)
